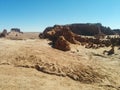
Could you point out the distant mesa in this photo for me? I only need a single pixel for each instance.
(16, 30)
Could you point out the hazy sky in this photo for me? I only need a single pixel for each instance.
(36, 15)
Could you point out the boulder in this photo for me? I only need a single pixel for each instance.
(62, 44)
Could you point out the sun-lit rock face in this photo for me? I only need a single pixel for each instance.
(62, 35)
(66, 32)
(62, 44)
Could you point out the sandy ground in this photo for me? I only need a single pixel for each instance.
(22, 36)
(32, 64)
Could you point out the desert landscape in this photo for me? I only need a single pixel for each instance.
(59, 44)
(59, 58)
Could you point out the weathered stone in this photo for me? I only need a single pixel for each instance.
(62, 44)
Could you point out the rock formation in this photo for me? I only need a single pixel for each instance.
(67, 34)
(110, 52)
(60, 34)
(15, 30)
(62, 44)
(117, 31)
(73, 34)
(115, 41)
(87, 29)
(4, 33)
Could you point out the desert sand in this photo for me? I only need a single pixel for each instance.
(28, 64)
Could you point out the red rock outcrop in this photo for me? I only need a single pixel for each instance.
(57, 31)
(62, 44)
(69, 33)
(62, 35)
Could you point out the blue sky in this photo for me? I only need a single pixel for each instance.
(36, 15)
